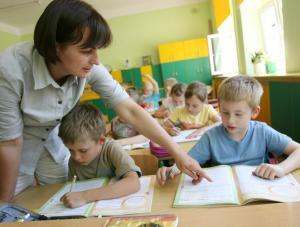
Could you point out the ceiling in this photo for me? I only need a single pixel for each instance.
(19, 16)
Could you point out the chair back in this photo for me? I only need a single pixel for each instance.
(147, 162)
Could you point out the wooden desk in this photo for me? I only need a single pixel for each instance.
(271, 214)
(185, 146)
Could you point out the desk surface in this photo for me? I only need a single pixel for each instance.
(270, 214)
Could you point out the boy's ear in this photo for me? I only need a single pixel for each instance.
(255, 112)
(102, 140)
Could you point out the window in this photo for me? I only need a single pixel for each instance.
(222, 53)
(272, 36)
(262, 31)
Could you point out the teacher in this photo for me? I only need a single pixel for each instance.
(41, 82)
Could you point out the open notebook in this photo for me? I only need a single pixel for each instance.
(178, 139)
(139, 202)
(235, 186)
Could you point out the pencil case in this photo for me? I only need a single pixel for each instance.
(158, 151)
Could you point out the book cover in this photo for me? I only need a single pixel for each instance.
(165, 220)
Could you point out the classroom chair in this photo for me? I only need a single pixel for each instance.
(147, 163)
(214, 103)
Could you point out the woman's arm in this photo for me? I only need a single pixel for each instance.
(129, 184)
(146, 125)
(10, 155)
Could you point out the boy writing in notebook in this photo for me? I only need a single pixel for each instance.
(92, 155)
(240, 140)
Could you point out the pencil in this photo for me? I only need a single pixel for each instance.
(168, 174)
(73, 182)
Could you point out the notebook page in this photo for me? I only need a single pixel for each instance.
(138, 202)
(284, 189)
(221, 191)
(181, 138)
(54, 207)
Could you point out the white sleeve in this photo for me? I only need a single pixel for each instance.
(109, 89)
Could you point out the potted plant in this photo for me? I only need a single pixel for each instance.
(258, 60)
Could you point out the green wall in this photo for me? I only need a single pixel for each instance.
(27, 37)
(7, 39)
(291, 17)
(138, 35)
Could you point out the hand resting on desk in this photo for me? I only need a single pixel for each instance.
(269, 171)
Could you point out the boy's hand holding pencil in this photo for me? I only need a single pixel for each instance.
(73, 182)
(170, 127)
(73, 199)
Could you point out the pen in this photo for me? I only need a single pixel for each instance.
(73, 182)
(24, 218)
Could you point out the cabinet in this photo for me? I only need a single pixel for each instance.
(195, 48)
(188, 70)
(117, 75)
(171, 52)
(189, 63)
(133, 76)
(178, 51)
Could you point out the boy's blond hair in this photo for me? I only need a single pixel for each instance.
(241, 88)
(198, 89)
(83, 122)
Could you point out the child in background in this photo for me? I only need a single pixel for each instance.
(92, 155)
(118, 127)
(168, 84)
(123, 132)
(173, 101)
(150, 94)
(240, 140)
(196, 114)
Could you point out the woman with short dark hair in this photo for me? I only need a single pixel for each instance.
(42, 82)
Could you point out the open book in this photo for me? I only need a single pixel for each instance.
(235, 186)
(139, 202)
(181, 138)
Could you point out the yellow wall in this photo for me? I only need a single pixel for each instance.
(221, 10)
